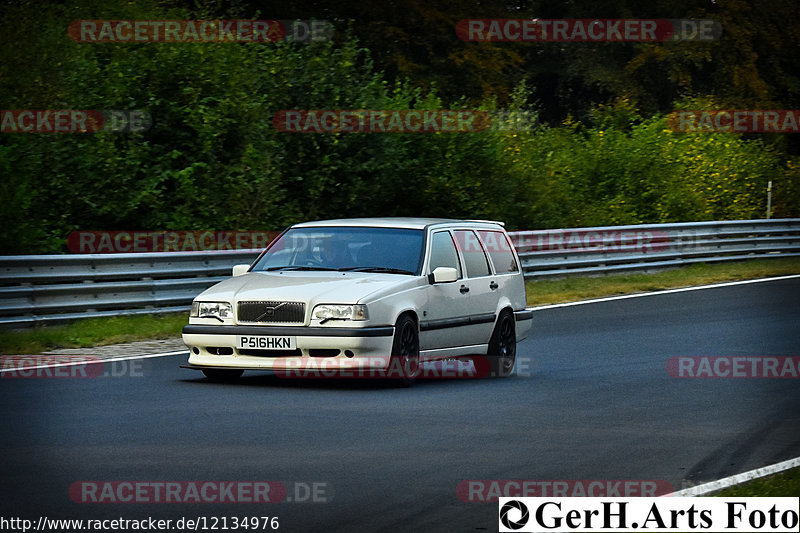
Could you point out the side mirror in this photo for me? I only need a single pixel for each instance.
(443, 275)
(238, 270)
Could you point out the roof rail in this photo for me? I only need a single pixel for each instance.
(498, 222)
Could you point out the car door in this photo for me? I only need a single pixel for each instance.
(506, 267)
(444, 322)
(484, 297)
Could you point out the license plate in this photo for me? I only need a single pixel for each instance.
(266, 342)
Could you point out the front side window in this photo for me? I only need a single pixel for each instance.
(443, 252)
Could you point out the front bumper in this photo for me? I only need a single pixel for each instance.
(215, 346)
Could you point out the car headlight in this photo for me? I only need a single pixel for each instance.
(218, 310)
(327, 312)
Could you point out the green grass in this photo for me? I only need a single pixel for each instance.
(782, 484)
(786, 483)
(93, 332)
(584, 287)
(100, 331)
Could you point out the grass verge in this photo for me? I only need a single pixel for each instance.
(573, 289)
(786, 483)
(100, 331)
(93, 332)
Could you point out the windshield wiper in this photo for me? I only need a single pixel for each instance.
(388, 270)
(293, 267)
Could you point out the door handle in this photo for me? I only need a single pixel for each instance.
(493, 285)
(464, 289)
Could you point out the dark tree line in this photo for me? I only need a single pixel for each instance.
(601, 152)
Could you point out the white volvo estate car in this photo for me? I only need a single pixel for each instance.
(365, 294)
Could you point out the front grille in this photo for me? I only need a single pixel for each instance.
(264, 312)
(219, 350)
(323, 352)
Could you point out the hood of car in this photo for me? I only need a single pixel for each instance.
(309, 287)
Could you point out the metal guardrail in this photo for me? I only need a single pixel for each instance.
(41, 289)
(605, 250)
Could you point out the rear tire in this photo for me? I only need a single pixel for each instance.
(503, 346)
(222, 374)
(405, 352)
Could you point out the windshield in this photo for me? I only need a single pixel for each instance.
(389, 250)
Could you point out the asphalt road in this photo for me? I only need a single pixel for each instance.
(592, 401)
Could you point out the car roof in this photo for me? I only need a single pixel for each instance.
(396, 222)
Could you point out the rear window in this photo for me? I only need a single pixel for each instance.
(474, 258)
(500, 251)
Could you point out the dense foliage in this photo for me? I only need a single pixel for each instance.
(213, 159)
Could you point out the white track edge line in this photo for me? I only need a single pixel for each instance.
(665, 291)
(726, 482)
(94, 360)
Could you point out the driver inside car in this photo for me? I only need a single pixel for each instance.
(335, 254)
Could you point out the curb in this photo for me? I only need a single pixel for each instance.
(738, 479)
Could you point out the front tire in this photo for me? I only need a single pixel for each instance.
(222, 374)
(405, 351)
(503, 346)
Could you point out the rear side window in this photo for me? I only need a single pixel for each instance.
(475, 260)
(443, 252)
(499, 248)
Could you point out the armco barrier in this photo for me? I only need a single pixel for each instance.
(604, 250)
(39, 289)
(36, 289)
